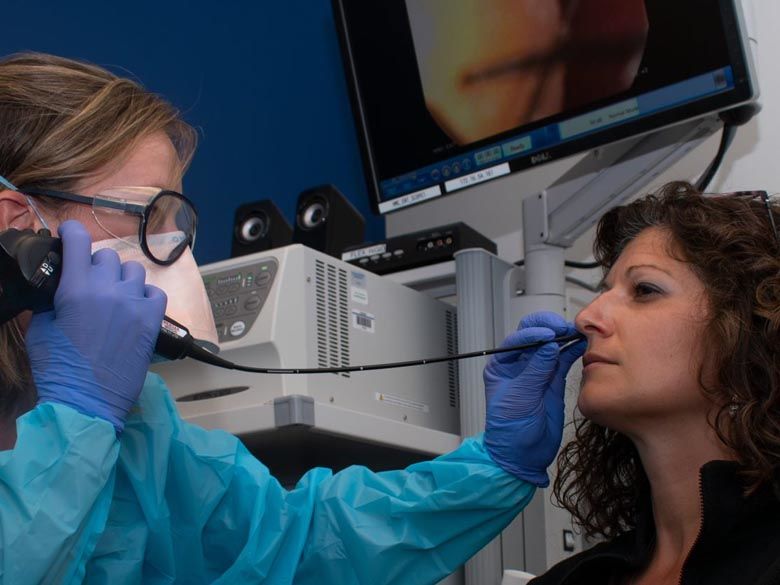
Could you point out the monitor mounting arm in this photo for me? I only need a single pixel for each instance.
(606, 177)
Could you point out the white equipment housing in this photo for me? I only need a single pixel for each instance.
(294, 307)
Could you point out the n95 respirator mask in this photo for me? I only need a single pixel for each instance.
(188, 302)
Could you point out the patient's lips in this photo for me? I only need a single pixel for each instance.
(592, 358)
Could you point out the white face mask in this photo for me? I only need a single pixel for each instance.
(188, 302)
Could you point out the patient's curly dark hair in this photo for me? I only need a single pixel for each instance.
(729, 243)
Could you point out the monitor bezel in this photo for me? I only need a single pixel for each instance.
(745, 91)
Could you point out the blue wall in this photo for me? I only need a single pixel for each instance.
(261, 79)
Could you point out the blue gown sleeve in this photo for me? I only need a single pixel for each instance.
(413, 526)
(55, 495)
(194, 506)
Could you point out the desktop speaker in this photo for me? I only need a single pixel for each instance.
(326, 221)
(258, 226)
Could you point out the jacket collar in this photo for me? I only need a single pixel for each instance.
(724, 505)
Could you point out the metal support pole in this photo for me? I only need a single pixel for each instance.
(481, 280)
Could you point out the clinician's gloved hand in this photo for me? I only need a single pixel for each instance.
(524, 394)
(93, 350)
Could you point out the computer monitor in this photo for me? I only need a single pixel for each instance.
(448, 94)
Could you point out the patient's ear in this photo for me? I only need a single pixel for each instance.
(15, 211)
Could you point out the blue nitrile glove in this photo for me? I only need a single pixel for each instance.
(93, 350)
(524, 395)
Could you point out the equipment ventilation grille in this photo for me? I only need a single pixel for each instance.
(332, 317)
(452, 349)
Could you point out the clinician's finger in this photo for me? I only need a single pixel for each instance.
(571, 354)
(567, 357)
(522, 337)
(550, 320)
(159, 298)
(544, 362)
(107, 262)
(537, 376)
(76, 251)
(134, 278)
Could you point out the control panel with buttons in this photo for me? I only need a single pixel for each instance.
(237, 296)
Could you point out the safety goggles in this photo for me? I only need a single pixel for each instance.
(138, 215)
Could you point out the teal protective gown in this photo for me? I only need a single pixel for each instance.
(173, 503)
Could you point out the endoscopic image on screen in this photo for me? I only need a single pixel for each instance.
(488, 66)
(444, 90)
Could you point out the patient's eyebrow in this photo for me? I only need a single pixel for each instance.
(635, 266)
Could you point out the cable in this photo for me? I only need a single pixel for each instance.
(583, 265)
(571, 264)
(582, 284)
(726, 138)
(732, 119)
(202, 355)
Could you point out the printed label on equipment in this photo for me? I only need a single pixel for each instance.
(359, 295)
(478, 177)
(358, 279)
(410, 198)
(358, 291)
(364, 252)
(401, 402)
(363, 321)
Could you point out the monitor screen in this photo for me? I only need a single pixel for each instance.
(448, 94)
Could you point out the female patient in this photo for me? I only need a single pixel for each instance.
(676, 463)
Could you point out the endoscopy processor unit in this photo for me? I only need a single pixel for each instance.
(295, 307)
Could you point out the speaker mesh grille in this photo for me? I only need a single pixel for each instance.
(332, 317)
(452, 349)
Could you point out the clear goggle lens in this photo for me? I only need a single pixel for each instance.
(170, 221)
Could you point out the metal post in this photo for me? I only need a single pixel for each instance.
(480, 281)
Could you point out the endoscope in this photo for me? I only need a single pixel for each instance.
(31, 267)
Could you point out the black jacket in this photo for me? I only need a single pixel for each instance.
(739, 542)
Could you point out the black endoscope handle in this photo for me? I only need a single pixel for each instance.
(174, 341)
(30, 270)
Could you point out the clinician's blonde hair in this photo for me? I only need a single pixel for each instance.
(61, 122)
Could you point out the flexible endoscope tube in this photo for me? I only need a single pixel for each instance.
(202, 355)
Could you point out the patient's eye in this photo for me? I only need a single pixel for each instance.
(644, 290)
